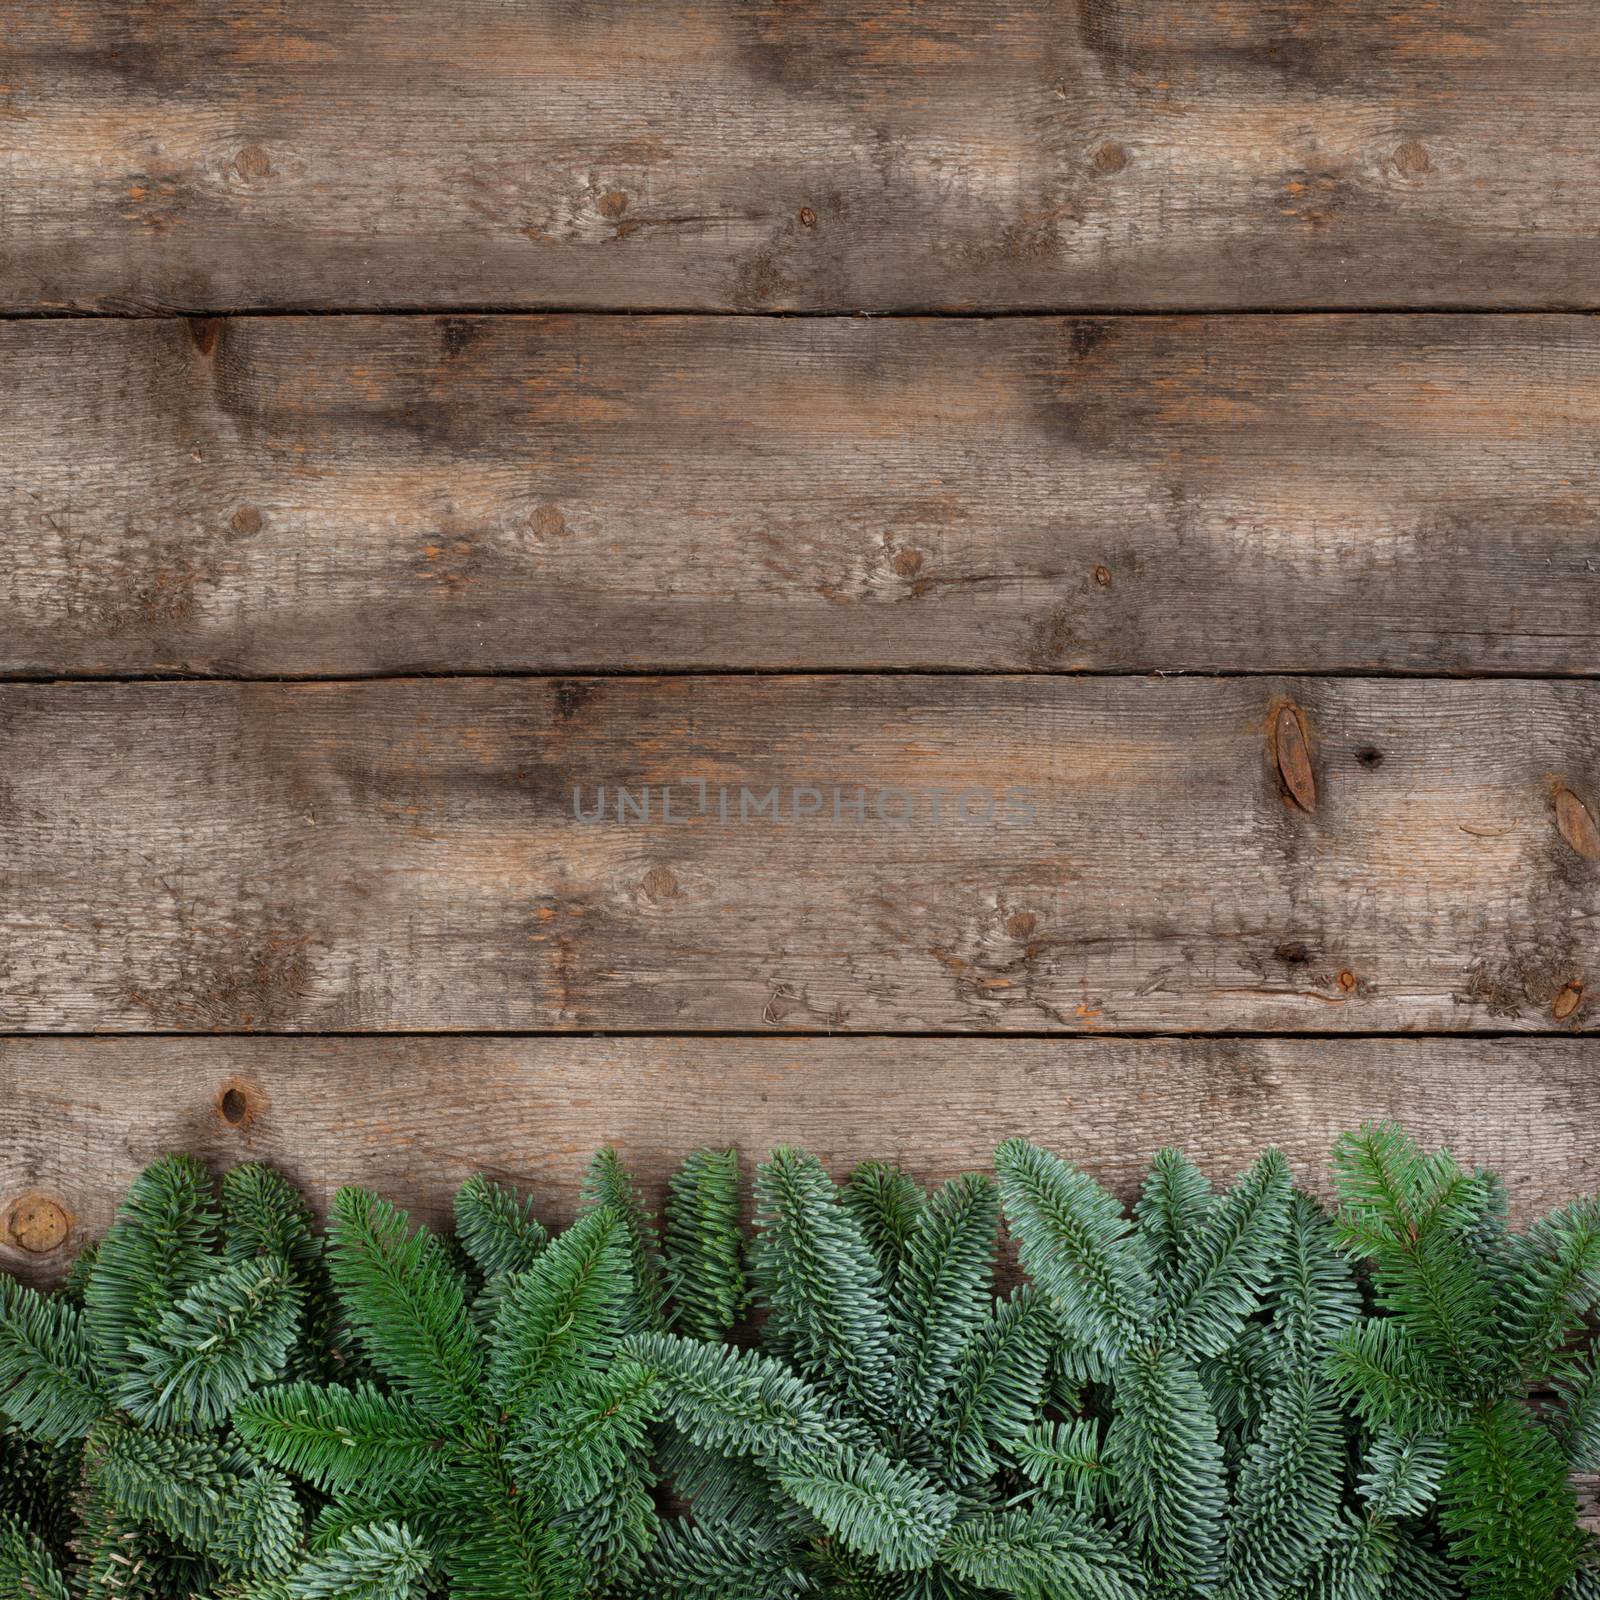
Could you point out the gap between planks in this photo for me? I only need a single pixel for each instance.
(549, 675)
(796, 1035)
(808, 314)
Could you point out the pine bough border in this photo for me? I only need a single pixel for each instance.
(1231, 1395)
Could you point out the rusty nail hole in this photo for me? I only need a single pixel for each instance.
(808, 217)
(38, 1224)
(1347, 980)
(1102, 576)
(1567, 1001)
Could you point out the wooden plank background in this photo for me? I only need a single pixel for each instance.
(1247, 343)
(415, 1117)
(317, 495)
(901, 854)
(798, 154)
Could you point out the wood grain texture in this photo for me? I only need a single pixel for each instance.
(783, 154)
(308, 496)
(404, 855)
(413, 1117)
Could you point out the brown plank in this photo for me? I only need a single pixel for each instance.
(403, 854)
(313, 496)
(413, 1117)
(822, 154)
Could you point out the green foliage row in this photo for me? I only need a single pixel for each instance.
(1233, 1395)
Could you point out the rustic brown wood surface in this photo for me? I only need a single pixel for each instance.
(459, 493)
(1108, 854)
(322, 495)
(212, 154)
(413, 1117)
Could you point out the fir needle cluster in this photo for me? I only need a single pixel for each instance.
(1229, 1395)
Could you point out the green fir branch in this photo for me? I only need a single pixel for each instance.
(1162, 1448)
(497, 1228)
(1066, 1460)
(1552, 1285)
(356, 1440)
(228, 1334)
(380, 1562)
(820, 1282)
(564, 1314)
(1228, 1261)
(1506, 1503)
(878, 1507)
(1577, 1415)
(607, 1186)
(703, 1245)
(1077, 1247)
(998, 1388)
(736, 1401)
(1171, 1210)
(28, 1571)
(164, 1241)
(407, 1305)
(1402, 1474)
(885, 1201)
(1041, 1551)
(48, 1385)
(942, 1292)
(1286, 1500)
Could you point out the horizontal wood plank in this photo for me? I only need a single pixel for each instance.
(413, 1117)
(829, 154)
(902, 854)
(309, 496)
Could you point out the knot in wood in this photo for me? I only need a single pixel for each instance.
(1293, 757)
(38, 1224)
(1576, 824)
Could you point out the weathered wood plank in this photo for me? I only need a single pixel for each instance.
(413, 1117)
(950, 853)
(826, 154)
(1588, 1487)
(313, 496)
